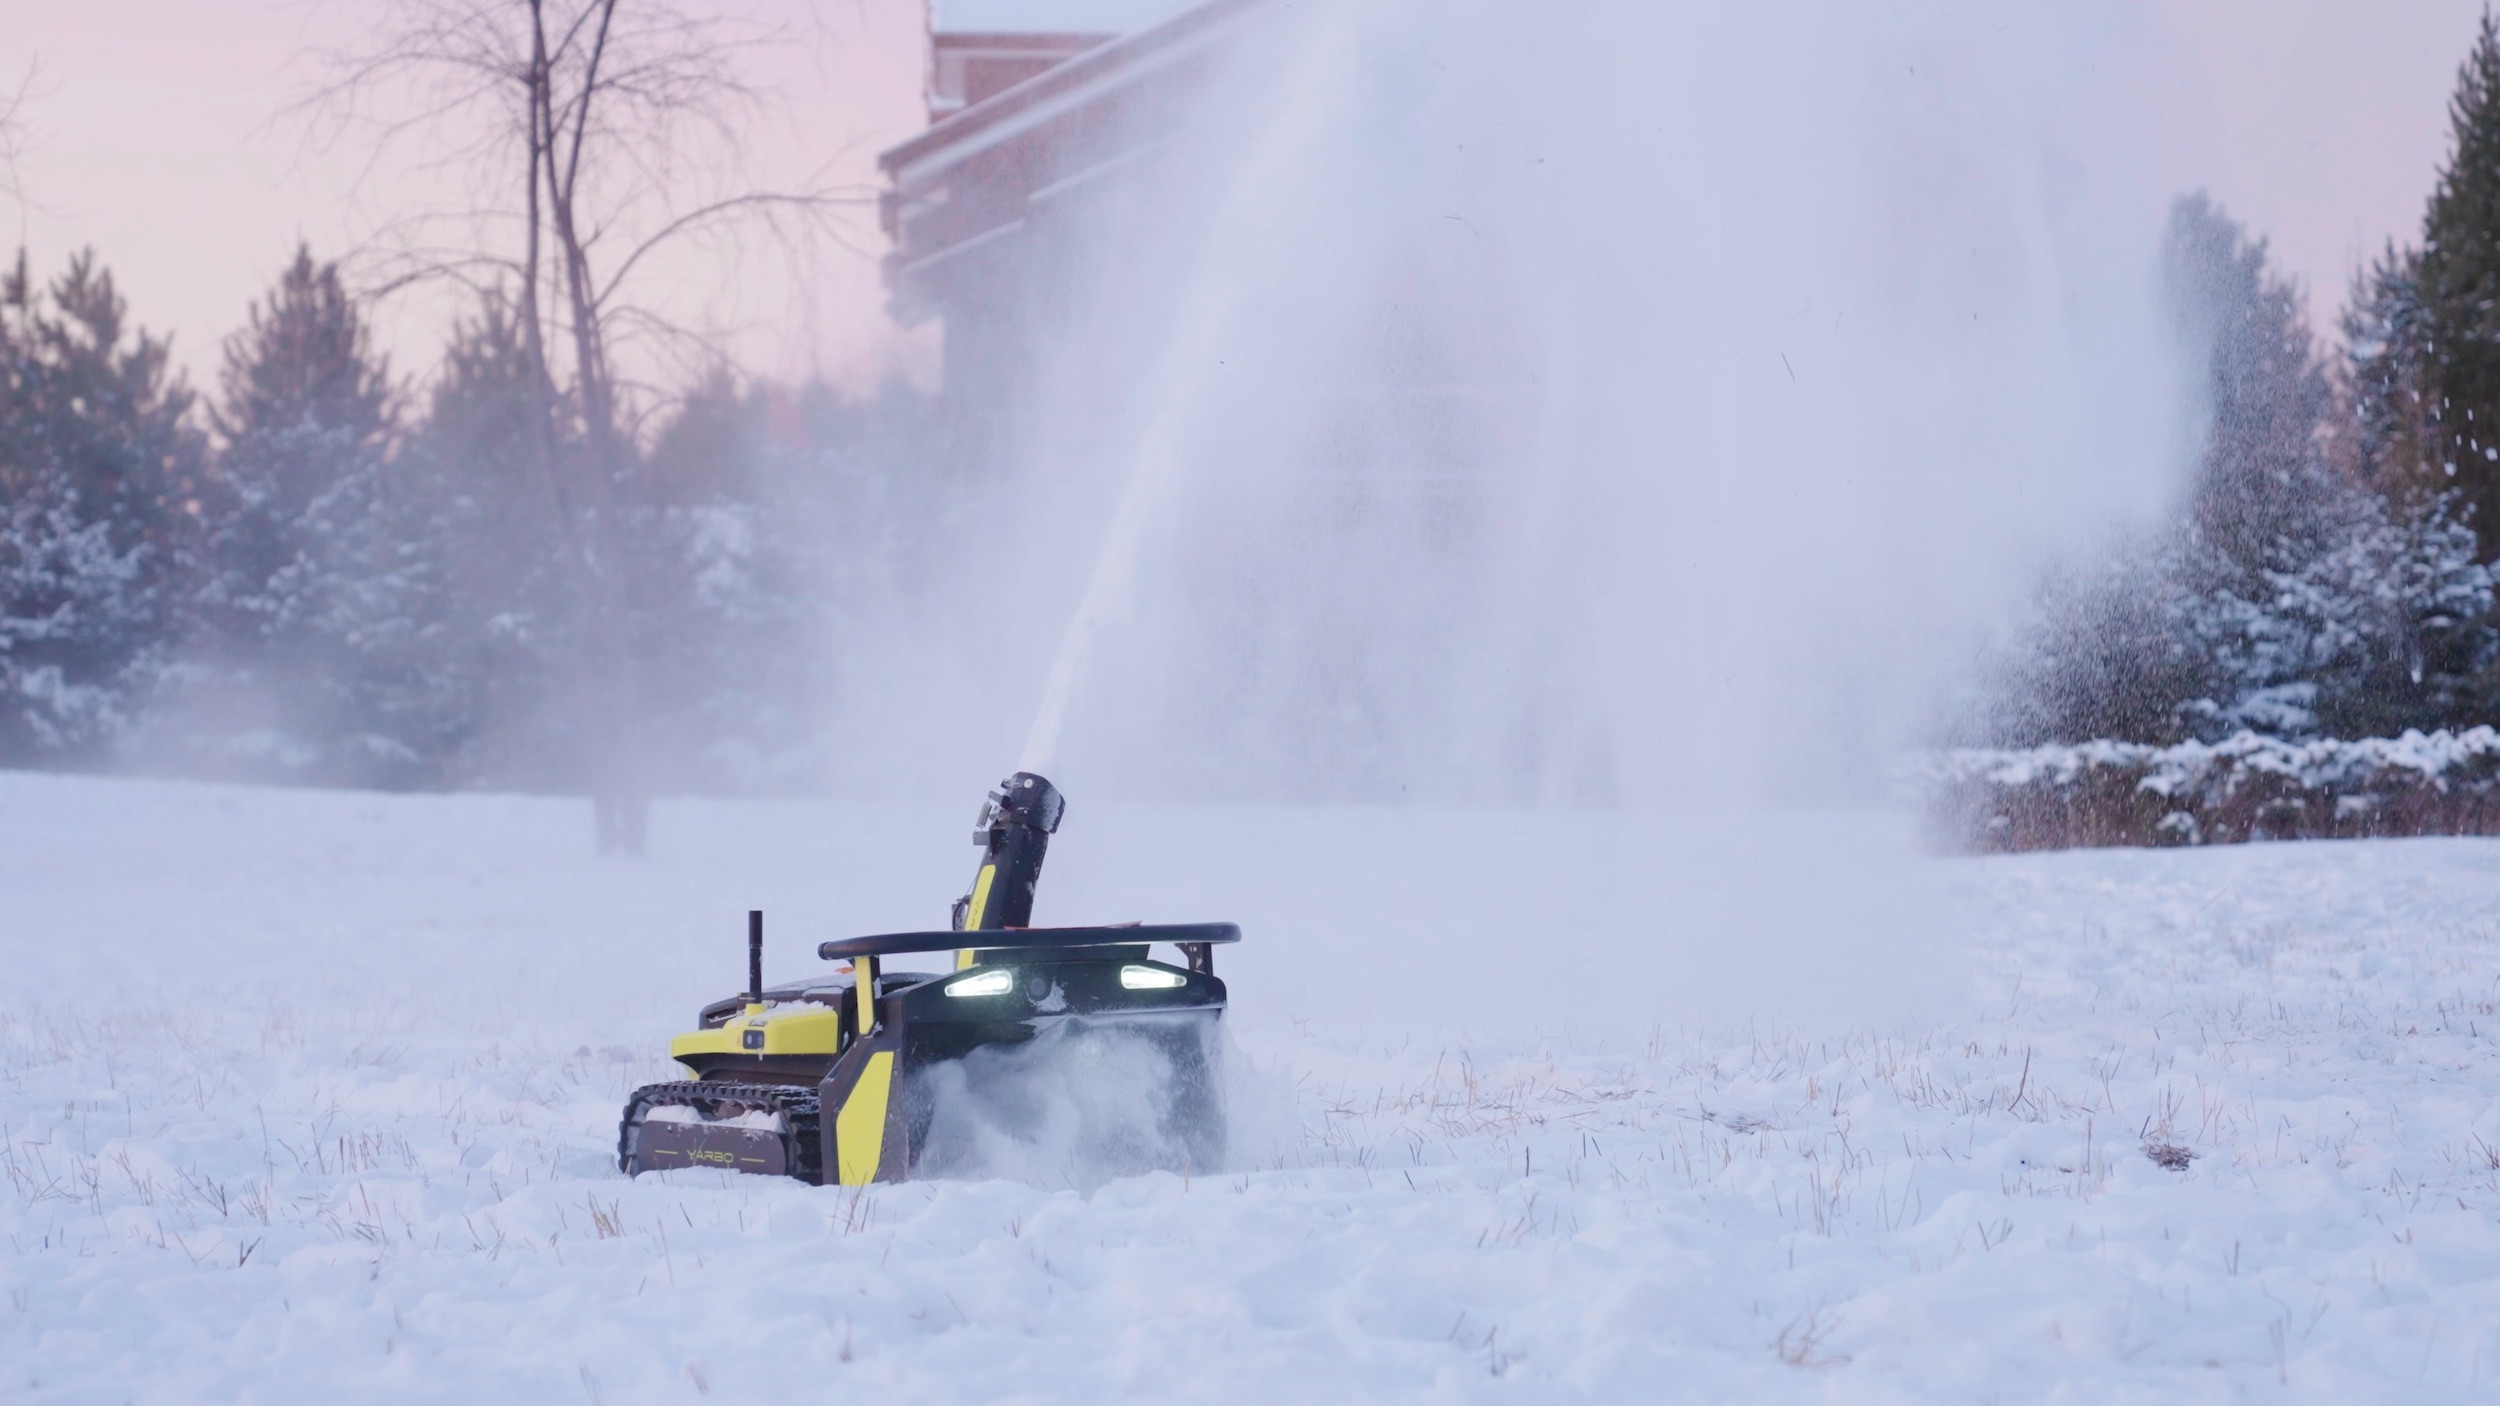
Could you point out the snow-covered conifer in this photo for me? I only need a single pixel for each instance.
(2459, 291)
(305, 422)
(99, 473)
(312, 592)
(2386, 437)
(476, 498)
(2290, 598)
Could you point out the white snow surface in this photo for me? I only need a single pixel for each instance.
(312, 1095)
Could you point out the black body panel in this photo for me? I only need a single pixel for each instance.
(1014, 833)
(889, 944)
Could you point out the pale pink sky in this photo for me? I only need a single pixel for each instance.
(2319, 122)
(162, 136)
(157, 138)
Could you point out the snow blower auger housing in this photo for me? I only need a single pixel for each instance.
(833, 1081)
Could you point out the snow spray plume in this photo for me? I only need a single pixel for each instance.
(1074, 1107)
(1625, 401)
(1620, 405)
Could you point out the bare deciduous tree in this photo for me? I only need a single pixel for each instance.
(595, 135)
(13, 136)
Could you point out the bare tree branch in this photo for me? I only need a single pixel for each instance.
(13, 138)
(753, 201)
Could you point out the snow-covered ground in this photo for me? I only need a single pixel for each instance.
(312, 1095)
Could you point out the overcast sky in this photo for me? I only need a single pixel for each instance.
(159, 139)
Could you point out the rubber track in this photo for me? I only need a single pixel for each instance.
(796, 1104)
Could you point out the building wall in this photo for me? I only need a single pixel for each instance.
(1000, 214)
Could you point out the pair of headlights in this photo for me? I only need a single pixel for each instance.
(998, 981)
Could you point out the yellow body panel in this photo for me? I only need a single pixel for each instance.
(864, 985)
(980, 903)
(859, 1129)
(974, 910)
(797, 1029)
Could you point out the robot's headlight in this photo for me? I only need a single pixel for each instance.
(1150, 979)
(996, 982)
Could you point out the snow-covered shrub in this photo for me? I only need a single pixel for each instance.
(2245, 787)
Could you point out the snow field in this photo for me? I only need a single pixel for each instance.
(312, 1092)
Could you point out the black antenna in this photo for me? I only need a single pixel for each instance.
(755, 956)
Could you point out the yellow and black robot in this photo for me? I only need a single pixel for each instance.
(829, 1082)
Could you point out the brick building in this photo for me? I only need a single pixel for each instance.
(1043, 115)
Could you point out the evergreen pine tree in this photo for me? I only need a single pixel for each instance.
(2386, 437)
(305, 419)
(761, 520)
(99, 474)
(2459, 292)
(2290, 598)
(311, 599)
(478, 500)
(713, 603)
(2263, 476)
(2311, 602)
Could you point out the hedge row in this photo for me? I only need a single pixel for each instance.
(2230, 792)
